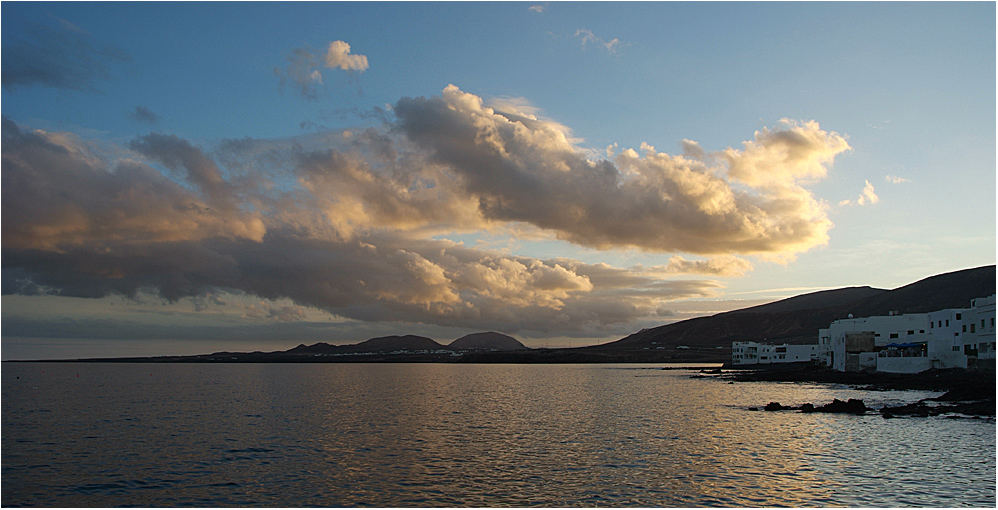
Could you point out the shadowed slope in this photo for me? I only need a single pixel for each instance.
(487, 341)
(797, 319)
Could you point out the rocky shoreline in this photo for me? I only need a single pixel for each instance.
(965, 392)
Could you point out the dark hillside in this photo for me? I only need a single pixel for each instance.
(835, 298)
(797, 319)
(490, 341)
(397, 343)
(948, 290)
(379, 344)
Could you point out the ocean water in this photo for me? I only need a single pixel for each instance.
(389, 435)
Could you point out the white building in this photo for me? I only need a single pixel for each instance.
(911, 343)
(755, 353)
(979, 338)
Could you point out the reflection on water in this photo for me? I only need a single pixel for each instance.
(465, 435)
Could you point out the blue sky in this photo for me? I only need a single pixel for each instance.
(889, 105)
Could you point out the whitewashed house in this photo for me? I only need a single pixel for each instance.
(755, 353)
(912, 343)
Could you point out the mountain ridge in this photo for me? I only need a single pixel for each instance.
(488, 340)
(798, 318)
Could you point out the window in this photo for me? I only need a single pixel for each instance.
(894, 335)
(911, 331)
(964, 328)
(956, 348)
(972, 327)
(958, 317)
(947, 323)
(932, 324)
(982, 323)
(921, 331)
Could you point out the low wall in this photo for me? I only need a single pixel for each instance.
(901, 365)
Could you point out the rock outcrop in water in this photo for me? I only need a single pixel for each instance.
(852, 406)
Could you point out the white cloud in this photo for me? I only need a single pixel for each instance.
(338, 56)
(587, 36)
(867, 196)
(893, 179)
(536, 8)
(302, 68)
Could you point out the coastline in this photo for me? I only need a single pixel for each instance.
(965, 391)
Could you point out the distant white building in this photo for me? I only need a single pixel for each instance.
(911, 343)
(755, 353)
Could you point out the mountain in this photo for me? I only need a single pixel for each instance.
(490, 341)
(397, 343)
(797, 319)
(379, 344)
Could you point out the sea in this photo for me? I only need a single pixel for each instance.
(459, 435)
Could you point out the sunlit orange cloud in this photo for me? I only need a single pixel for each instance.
(344, 222)
(750, 201)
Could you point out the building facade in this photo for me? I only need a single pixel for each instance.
(755, 353)
(912, 343)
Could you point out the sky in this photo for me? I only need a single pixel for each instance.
(200, 177)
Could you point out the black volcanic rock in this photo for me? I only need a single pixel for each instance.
(490, 341)
(853, 406)
(797, 319)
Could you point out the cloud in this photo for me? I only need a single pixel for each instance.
(536, 8)
(718, 266)
(867, 196)
(587, 36)
(522, 169)
(144, 115)
(338, 56)
(301, 72)
(57, 194)
(62, 57)
(78, 225)
(302, 68)
(343, 221)
(893, 179)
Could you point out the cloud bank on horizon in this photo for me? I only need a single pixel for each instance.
(355, 222)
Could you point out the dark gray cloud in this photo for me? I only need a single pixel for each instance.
(57, 194)
(301, 73)
(142, 114)
(60, 56)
